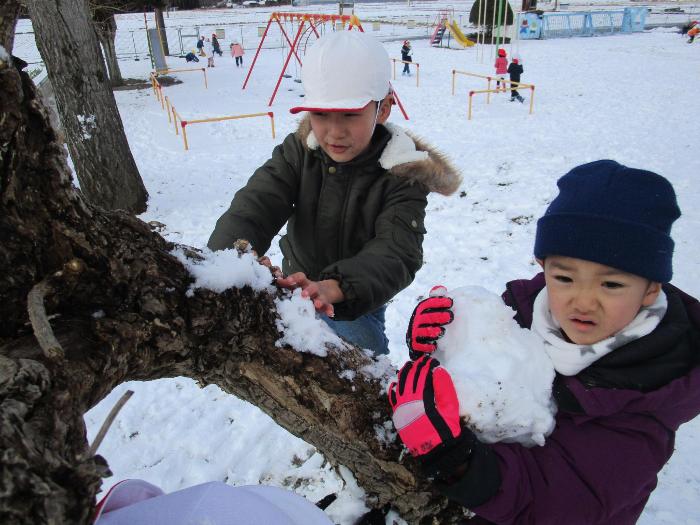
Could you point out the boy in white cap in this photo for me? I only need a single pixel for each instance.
(352, 189)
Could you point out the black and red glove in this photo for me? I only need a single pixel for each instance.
(424, 405)
(427, 322)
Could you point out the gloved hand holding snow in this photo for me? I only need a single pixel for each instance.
(501, 371)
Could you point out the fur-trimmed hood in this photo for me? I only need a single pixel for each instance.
(404, 156)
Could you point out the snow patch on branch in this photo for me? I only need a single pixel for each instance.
(301, 329)
(225, 269)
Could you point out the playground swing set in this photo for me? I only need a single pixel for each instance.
(307, 24)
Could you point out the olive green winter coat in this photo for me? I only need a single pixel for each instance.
(359, 222)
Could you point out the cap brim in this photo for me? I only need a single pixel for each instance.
(340, 107)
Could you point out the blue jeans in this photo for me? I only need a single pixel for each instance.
(366, 331)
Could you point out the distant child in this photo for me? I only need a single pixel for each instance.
(210, 53)
(191, 56)
(406, 56)
(515, 69)
(501, 66)
(215, 44)
(200, 47)
(351, 189)
(237, 53)
(693, 32)
(625, 346)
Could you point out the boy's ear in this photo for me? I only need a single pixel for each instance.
(653, 291)
(384, 110)
(540, 262)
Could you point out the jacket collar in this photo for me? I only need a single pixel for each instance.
(403, 155)
(645, 364)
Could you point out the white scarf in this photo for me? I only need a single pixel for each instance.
(569, 358)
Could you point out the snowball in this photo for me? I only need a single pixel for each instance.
(501, 372)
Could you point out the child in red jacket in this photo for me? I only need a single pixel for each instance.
(501, 66)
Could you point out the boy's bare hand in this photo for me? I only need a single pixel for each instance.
(323, 293)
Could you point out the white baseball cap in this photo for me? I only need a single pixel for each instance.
(344, 71)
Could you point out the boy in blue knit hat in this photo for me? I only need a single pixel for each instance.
(625, 346)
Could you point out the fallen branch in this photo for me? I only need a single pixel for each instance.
(108, 421)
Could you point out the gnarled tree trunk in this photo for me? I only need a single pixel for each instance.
(9, 9)
(73, 260)
(103, 161)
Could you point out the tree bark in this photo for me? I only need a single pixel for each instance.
(117, 308)
(104, 164)
(9, 9)
(106, 33)
(160, 24)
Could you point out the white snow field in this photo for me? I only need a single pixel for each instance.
(632, 98)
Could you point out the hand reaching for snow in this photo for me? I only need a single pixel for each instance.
(323, 293)
(427, 322)
(425, 406)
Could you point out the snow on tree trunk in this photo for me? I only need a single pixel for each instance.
(107, 32)
(63, 260)
(95, 135)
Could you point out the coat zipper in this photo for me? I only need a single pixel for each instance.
(342, 216)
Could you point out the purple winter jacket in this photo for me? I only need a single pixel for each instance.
(615, 430)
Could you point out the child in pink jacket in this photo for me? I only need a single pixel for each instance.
(237, 53)
(501, 66)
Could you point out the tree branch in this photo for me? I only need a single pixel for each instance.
(149, 327)
(108, 421)
(40, 321)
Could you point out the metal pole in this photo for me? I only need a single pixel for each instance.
(184, 133)
(493, 24)
(245, 83)
(479, 30)
(272, 123)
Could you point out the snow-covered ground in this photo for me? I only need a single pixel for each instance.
(631, 98)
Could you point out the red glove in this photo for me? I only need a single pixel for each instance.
(425, 406)
(427, 322)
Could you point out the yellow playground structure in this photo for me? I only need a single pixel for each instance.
(446, 23)
(453, 28)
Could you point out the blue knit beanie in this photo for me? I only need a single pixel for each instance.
(613, 215)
